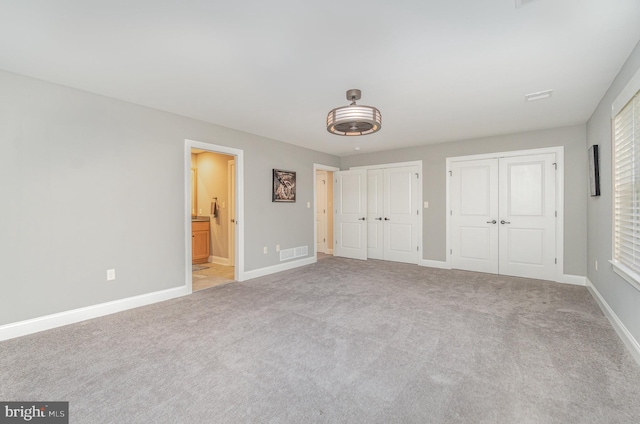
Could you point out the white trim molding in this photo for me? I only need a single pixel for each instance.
(319, 167)
(47, 322)
(576, 280)
(239, 234)
(625, 335)
(261, 272)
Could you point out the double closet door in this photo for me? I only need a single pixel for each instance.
(376, 214)
(503, 215)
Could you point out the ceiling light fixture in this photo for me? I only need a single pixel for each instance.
(354, 119)
(538, 95)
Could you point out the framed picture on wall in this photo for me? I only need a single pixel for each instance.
(594, 171)
(284, 186)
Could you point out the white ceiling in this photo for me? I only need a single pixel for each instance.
(438, 70)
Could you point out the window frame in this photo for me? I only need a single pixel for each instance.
(626, 95)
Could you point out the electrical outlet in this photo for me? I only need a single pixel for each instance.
(277, 247)
(111, 274)
(596, 265)
(265, 250)
(426, 205)
(308, 205)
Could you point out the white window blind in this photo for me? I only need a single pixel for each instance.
(627, 185)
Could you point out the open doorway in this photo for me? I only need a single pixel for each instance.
(324, 210)
(213, 255)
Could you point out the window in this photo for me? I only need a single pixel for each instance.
(626, 190)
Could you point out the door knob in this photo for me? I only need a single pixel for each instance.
(492, 222)
(387, 219)
(379, 219)
(362, 219)
(504, 222)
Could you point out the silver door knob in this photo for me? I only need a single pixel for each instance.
(362, 219)
(387, 219)
(379, 219)
(504, 222)
(492, 222)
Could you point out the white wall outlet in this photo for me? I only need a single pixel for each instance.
(596, 265)
(200, 211)
(426, 205)
(265, 250)
(111, 274)
(308, 205)
(224, 205)
(277, 247)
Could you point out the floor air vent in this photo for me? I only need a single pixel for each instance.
(294, 252)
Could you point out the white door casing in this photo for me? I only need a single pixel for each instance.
(518, 193)
(527, 216)
(231, 171)
(321, 211)
(474, 215)
(401, 213)
(350, 203)
(375, 214)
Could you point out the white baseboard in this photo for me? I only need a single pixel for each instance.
(47, 322)
(261, 272)
(219, 260)
(434, 264)
(630, 342)
(576, 280)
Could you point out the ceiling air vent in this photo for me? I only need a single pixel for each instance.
(521, 3)
(538, 95)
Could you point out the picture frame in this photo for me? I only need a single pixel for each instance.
(284, 186)
(594, 171)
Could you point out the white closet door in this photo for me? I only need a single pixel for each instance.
(375, 213)
(474, 215)
(401, 214)
(527, 216)
(350, 225)
(321, 211)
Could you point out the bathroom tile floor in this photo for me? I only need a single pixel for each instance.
(212, 275)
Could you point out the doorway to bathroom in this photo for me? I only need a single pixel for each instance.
(213, 216)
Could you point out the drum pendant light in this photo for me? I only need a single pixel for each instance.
(354, 119)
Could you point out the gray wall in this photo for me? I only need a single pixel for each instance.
(89, 183)
(433, 159)
(621, 296)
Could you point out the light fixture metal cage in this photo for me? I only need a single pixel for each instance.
(354, 119)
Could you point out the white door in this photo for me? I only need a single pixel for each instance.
(474, 215)
(375, 214)
(350, 203)
(503, 215)
(527, 216)
(401, 213)
(321, 211)
(231, 169)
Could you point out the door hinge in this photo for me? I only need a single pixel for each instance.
(324, 211)
(451, 213)
(417, 248)
(556, 261)
(324, 182)
(336, 242)
(417, 175)
(451, 173)
(418, 212)
(324, 240)
(451, 251)
(556, 214)
(555, 165)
